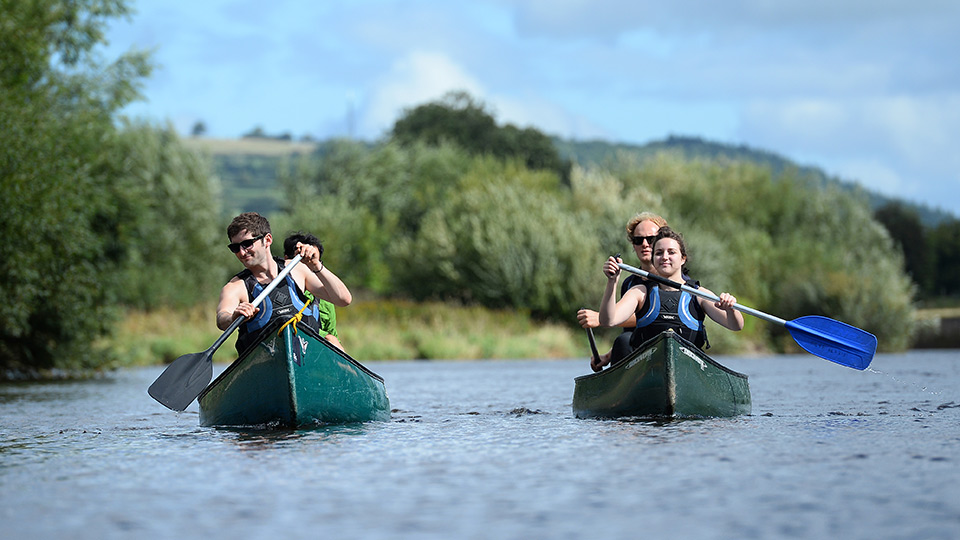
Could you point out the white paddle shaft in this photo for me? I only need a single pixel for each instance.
(702, 294)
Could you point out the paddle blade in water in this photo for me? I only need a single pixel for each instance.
(833, 340)
(183, 380)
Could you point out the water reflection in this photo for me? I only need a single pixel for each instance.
(54, 390)
(270, 436)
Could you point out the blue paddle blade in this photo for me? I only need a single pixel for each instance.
(833, 340)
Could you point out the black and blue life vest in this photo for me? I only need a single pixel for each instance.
(665, 309)
(283, 302)
(631, 281)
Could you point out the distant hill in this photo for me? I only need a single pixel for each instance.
(590, 153)
(258, 146)
(248, 166)
(247, 169)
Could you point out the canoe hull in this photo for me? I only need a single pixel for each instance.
(667, 376)
(293, 379)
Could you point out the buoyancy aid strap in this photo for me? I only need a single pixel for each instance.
(298, 316)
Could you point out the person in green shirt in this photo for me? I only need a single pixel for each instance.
(327, 311)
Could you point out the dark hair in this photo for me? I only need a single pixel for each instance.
(290, 243)
(667, 232)
(251, 222)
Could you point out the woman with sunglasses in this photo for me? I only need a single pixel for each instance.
(250, 241)
(641, 232)
(658, 308)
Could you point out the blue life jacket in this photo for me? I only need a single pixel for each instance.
(664, 309)
(283, 302)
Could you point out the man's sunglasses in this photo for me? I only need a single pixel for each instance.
(638, 240)
(244, 244)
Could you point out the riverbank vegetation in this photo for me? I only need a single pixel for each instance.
(369, 330)
(478, 243)
(436, 223)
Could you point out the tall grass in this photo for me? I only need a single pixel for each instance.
(373, 330)
(400, 330)
(161, 335)
(369, 330)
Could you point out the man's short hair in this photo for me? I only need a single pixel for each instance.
(251, 222)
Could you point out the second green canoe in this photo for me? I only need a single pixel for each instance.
(667, 376)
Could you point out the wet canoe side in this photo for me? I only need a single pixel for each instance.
(293, 379)
(667, 376)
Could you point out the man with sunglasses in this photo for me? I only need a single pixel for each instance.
(250, 240)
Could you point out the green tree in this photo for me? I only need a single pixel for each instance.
(435, 222)
(361, 201)
(505, 237)
(199, 129)
(910, 236)
(164, 218)
(945, 239)
(255, 133)
(57, 105)
(459, 119)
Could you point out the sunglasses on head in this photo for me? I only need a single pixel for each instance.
(638, 240)
(243, 244)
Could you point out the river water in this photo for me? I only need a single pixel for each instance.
(490, 449)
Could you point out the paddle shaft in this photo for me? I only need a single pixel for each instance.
(256, 302)
(669, 282)
(829, 339)
(593, 344)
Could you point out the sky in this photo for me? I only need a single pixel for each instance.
(867, 90)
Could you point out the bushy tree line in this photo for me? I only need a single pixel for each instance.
(427, 215)
(460, 119)
(932, 254)
(433, 221)
(96, 214)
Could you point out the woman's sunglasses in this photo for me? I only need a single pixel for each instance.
(243, 244)
(638, 240)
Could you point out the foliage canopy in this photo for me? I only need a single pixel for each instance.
(435, 222)
(459, 119)
(95, 214)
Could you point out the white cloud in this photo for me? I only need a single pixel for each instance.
(919, 131)
(877, 175)
(545, 116)
(422, 76)
(902, 146)
(415, 78)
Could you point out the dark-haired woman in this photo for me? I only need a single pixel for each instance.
(660, 307)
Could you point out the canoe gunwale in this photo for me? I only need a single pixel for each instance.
(270, 331)
(669, 334)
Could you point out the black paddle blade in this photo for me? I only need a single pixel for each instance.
(183, 380)
(833, 340)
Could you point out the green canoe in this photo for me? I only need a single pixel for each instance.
(667, 376)
(293, 379)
